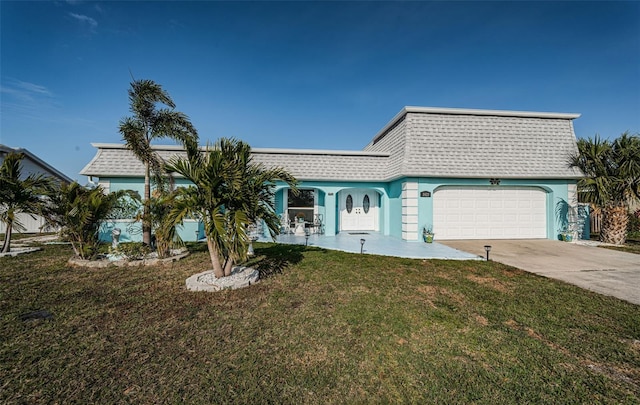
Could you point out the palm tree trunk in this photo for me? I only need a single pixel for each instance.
(228, 267)
(614, 224)
(218, 271)
(146, 224)
(6, 246)
(74, 246)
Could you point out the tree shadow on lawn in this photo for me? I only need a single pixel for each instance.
(194, 247)
(272, 260)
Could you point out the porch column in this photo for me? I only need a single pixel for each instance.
(410, 210)
(330, 213)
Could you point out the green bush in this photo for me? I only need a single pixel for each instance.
(633, 230)
(132, 250)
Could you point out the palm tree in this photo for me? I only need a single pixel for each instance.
(612, 180)
(80, 212)
(229, 192)
(18, 195)
(148, 123)
(165, 232)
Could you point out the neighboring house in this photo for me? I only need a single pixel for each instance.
(31, 164)
(464, 174)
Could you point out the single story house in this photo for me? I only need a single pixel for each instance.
(461, 173)
(32, 164)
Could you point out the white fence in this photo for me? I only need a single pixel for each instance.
(595, 216)
(33, 225)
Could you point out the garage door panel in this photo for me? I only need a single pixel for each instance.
(511, 217)
(477, 213)
(467, 204)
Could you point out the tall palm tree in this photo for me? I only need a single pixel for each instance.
(229, 192)
(612, 180)
(18, 195)
(148, 123)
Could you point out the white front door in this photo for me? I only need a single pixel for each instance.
(358, 210)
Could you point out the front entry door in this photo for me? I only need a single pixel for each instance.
(358, 210)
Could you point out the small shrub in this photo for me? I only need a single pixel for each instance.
(132, 250)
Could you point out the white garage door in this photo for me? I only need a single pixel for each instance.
(490, 213)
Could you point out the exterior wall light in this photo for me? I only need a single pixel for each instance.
(487, 248)
(494, 182)
(362, 245)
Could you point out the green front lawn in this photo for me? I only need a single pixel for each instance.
(322, 327)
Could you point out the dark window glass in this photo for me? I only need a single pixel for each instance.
(301, 206)
(349, 203)
(366, 203)
(303, 199)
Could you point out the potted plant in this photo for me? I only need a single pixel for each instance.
(427, 235)
(566, 236)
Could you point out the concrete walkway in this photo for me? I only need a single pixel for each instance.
(375, 243)
(594, 268)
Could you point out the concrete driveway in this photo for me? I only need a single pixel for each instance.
(597, 269)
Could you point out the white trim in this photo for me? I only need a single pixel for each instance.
(410, 210)
(268, 151)
(497, 113)
(106, 186)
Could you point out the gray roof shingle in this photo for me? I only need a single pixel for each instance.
(114, 160)
(417, 142)
(478, 143)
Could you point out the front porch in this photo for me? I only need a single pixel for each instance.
(377, 244)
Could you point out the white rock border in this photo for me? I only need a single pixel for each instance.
(100, 264)
(240, 277)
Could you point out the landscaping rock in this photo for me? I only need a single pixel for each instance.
(240, 277)
(150, 261)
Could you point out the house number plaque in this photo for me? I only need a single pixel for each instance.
(425, 194)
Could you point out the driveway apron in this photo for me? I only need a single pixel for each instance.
(594, 268)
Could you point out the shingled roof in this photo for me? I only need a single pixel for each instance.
(115, 160)
(441, 142)
(417, 142)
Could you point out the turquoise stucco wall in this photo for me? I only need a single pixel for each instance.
(132, 231)
(390, 202)
(329, 192)
(395, 208)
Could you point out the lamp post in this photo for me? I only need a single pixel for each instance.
(306, 236)
(361, 245)
(487, 248)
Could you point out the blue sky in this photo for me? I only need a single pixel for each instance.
(322, 75)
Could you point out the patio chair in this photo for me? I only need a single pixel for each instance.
(285, 224)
